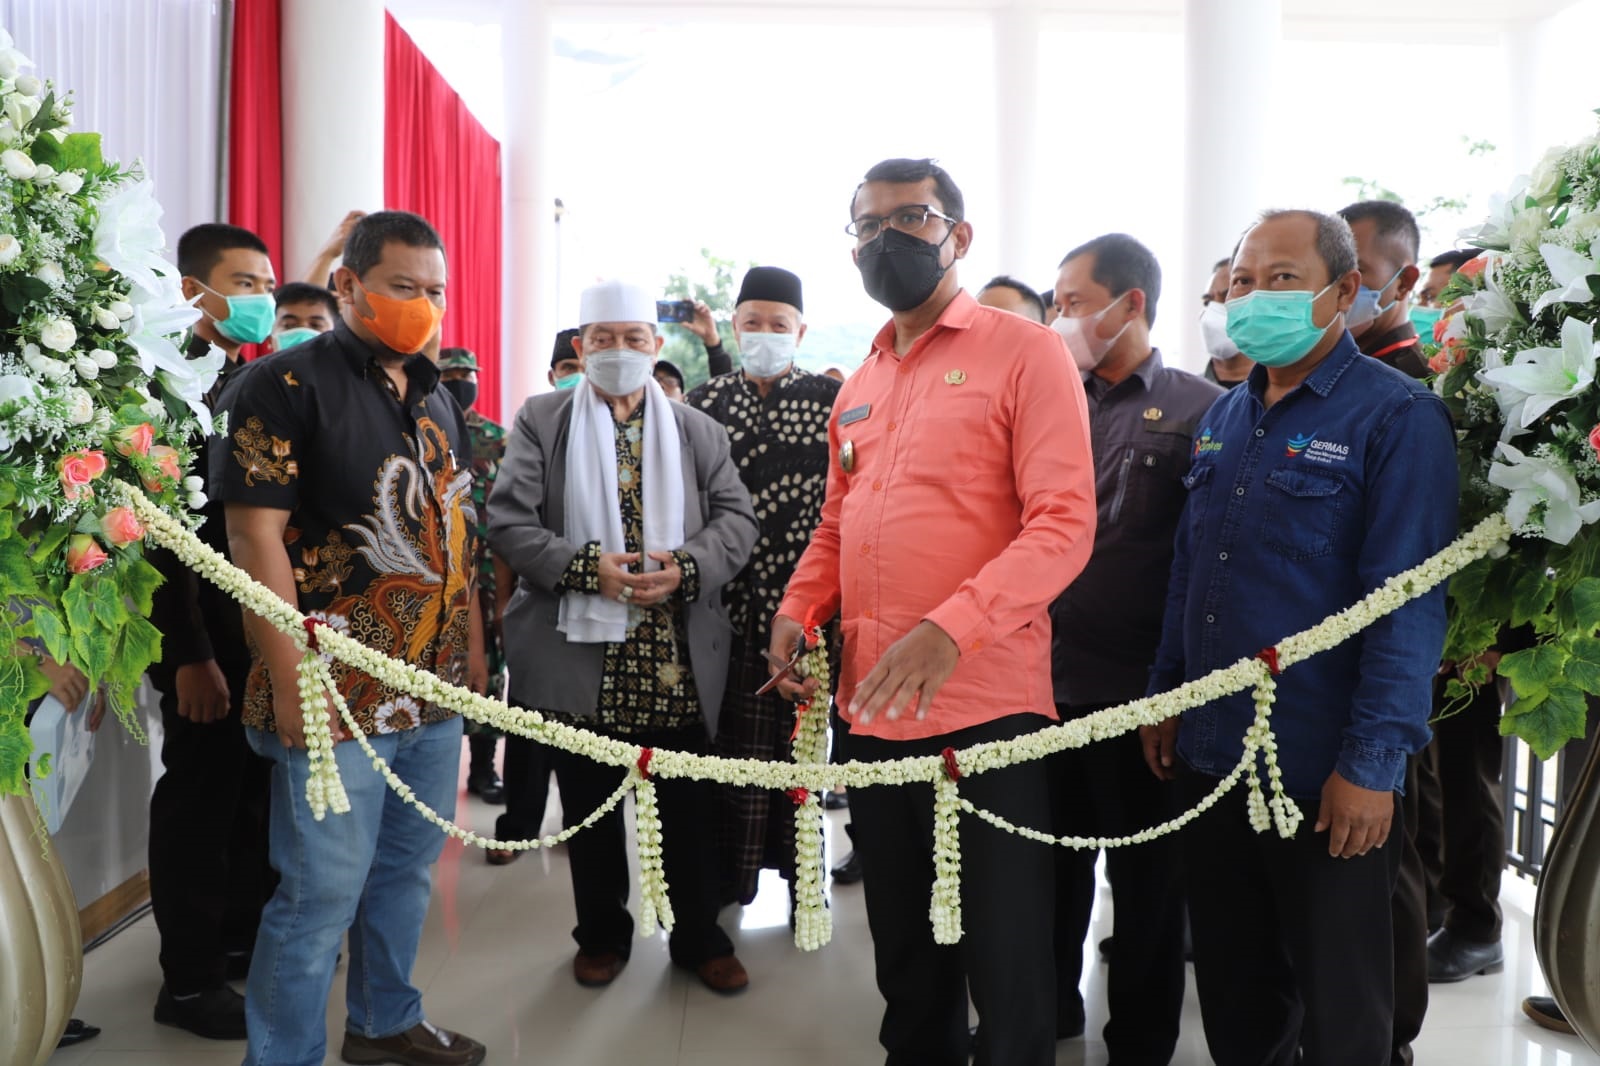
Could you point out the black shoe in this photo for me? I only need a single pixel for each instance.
(835, 801)
(236, 966)
(1069, 1024)
(1105, 948)
(487, 786)
(217, 1014)
(1453, 958)
(77, 1032)
(849, 871)
(1546, 1012)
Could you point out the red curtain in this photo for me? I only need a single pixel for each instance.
(440, 162)
(255, 126)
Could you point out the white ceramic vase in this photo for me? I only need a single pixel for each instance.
(41, 943)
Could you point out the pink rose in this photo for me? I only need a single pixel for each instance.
(135, 440)
(77, 470)
(167, 462)
(1594, 440)
(84, 554)
(121, 527)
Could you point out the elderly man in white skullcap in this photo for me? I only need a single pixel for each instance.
(622, 517)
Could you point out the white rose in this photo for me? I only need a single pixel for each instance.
(28, 85)
(154, 409)
(17, 164)
(104, 359)
(193, 483)
(69, 183)
(44, 172)
(106, 318)
(87, 368)
(21, 110)
(58, 335)
(197, 500)
(51, 274)
(8, 63)
(8, 132)
(80, 407)
(10, 248)
(122, 309)
(1545, 185)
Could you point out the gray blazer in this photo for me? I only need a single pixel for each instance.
(527, 523)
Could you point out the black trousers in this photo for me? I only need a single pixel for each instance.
(1007, 889)
(1463, 867)
(1293, 949)
(209, 875)
(1105, 789)
(1410, 923)
(527, 783)
(598, 856)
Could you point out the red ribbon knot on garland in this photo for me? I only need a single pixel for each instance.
(798, 796)
(311, 633)
(644, 762)
(1270, 657)
(952, 769)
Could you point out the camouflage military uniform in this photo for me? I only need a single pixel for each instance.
(488, 449)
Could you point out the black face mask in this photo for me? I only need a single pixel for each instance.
(900, 271)
(465, 392)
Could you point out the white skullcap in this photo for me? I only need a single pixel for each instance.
(616, 301)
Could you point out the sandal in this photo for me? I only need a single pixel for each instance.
(501, 856)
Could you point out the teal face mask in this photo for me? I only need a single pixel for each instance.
(569, 382)
(290, 337)
(249, 318)
(1275, 328)
(1424, 319)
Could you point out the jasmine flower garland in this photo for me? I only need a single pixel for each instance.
(813, 922)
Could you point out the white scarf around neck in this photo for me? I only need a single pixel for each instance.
(594, 512)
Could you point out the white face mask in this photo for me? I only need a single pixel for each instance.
(1089, 349)
(1214, 331)
(618, 371)
(767, 355)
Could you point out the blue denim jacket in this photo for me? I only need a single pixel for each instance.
(1296, 512)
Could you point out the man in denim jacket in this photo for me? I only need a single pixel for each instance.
(1324, 476)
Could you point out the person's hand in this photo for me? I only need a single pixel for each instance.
(704, 325)
(202, 692)
(657, 586)
(1160, 744)
(478, 672)
(908, 676)
(67, 682)
(341, 233)
(615, 576)
(1357, 819)
(290, 719)
(786, 636)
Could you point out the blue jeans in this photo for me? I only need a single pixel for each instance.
(365, 871)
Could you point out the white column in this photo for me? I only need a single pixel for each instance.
(333, 85)
(1230, 51)
(529, 255)
(1524, 53)
(1016, 126)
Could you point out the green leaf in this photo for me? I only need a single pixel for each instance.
(109, 609)
(1583, 667)
(1531, 595)
(139, 583)
(1548, 721)
(53, 631)
(79, 603)
(16, 569)
(1534, 670)
(80, 151)
(15, 747)
(50, 542)
(1579, 609)
(138, 647)
(94, 651)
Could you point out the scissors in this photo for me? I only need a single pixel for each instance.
(795, 667)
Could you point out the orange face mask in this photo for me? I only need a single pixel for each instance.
(403, 325)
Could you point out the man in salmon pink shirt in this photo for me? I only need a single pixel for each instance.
(960, 503)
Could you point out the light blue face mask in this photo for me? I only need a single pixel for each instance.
(290, 337)
(1276, 328)
(250, 316)
(1366, 308)
(569, 382)
(1424, 319)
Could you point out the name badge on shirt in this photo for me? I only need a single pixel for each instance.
(855, 414)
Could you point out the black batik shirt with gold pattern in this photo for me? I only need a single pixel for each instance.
(646, 684)
(381, 532)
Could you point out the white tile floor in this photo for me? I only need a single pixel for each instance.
(496, 955)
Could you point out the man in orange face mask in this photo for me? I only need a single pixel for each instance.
(347, 483)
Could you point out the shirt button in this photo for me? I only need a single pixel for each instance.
(877, 486)
(893, 426)
(869, 613)
(1222, 556)
(1210, 618)
(866, 549)
(1239, 491)
(1261, 433)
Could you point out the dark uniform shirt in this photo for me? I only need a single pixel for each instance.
(780, 444)
(646, 684)
(1107, 623)
(488, 449)
(381, 530)
(1400, 348)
